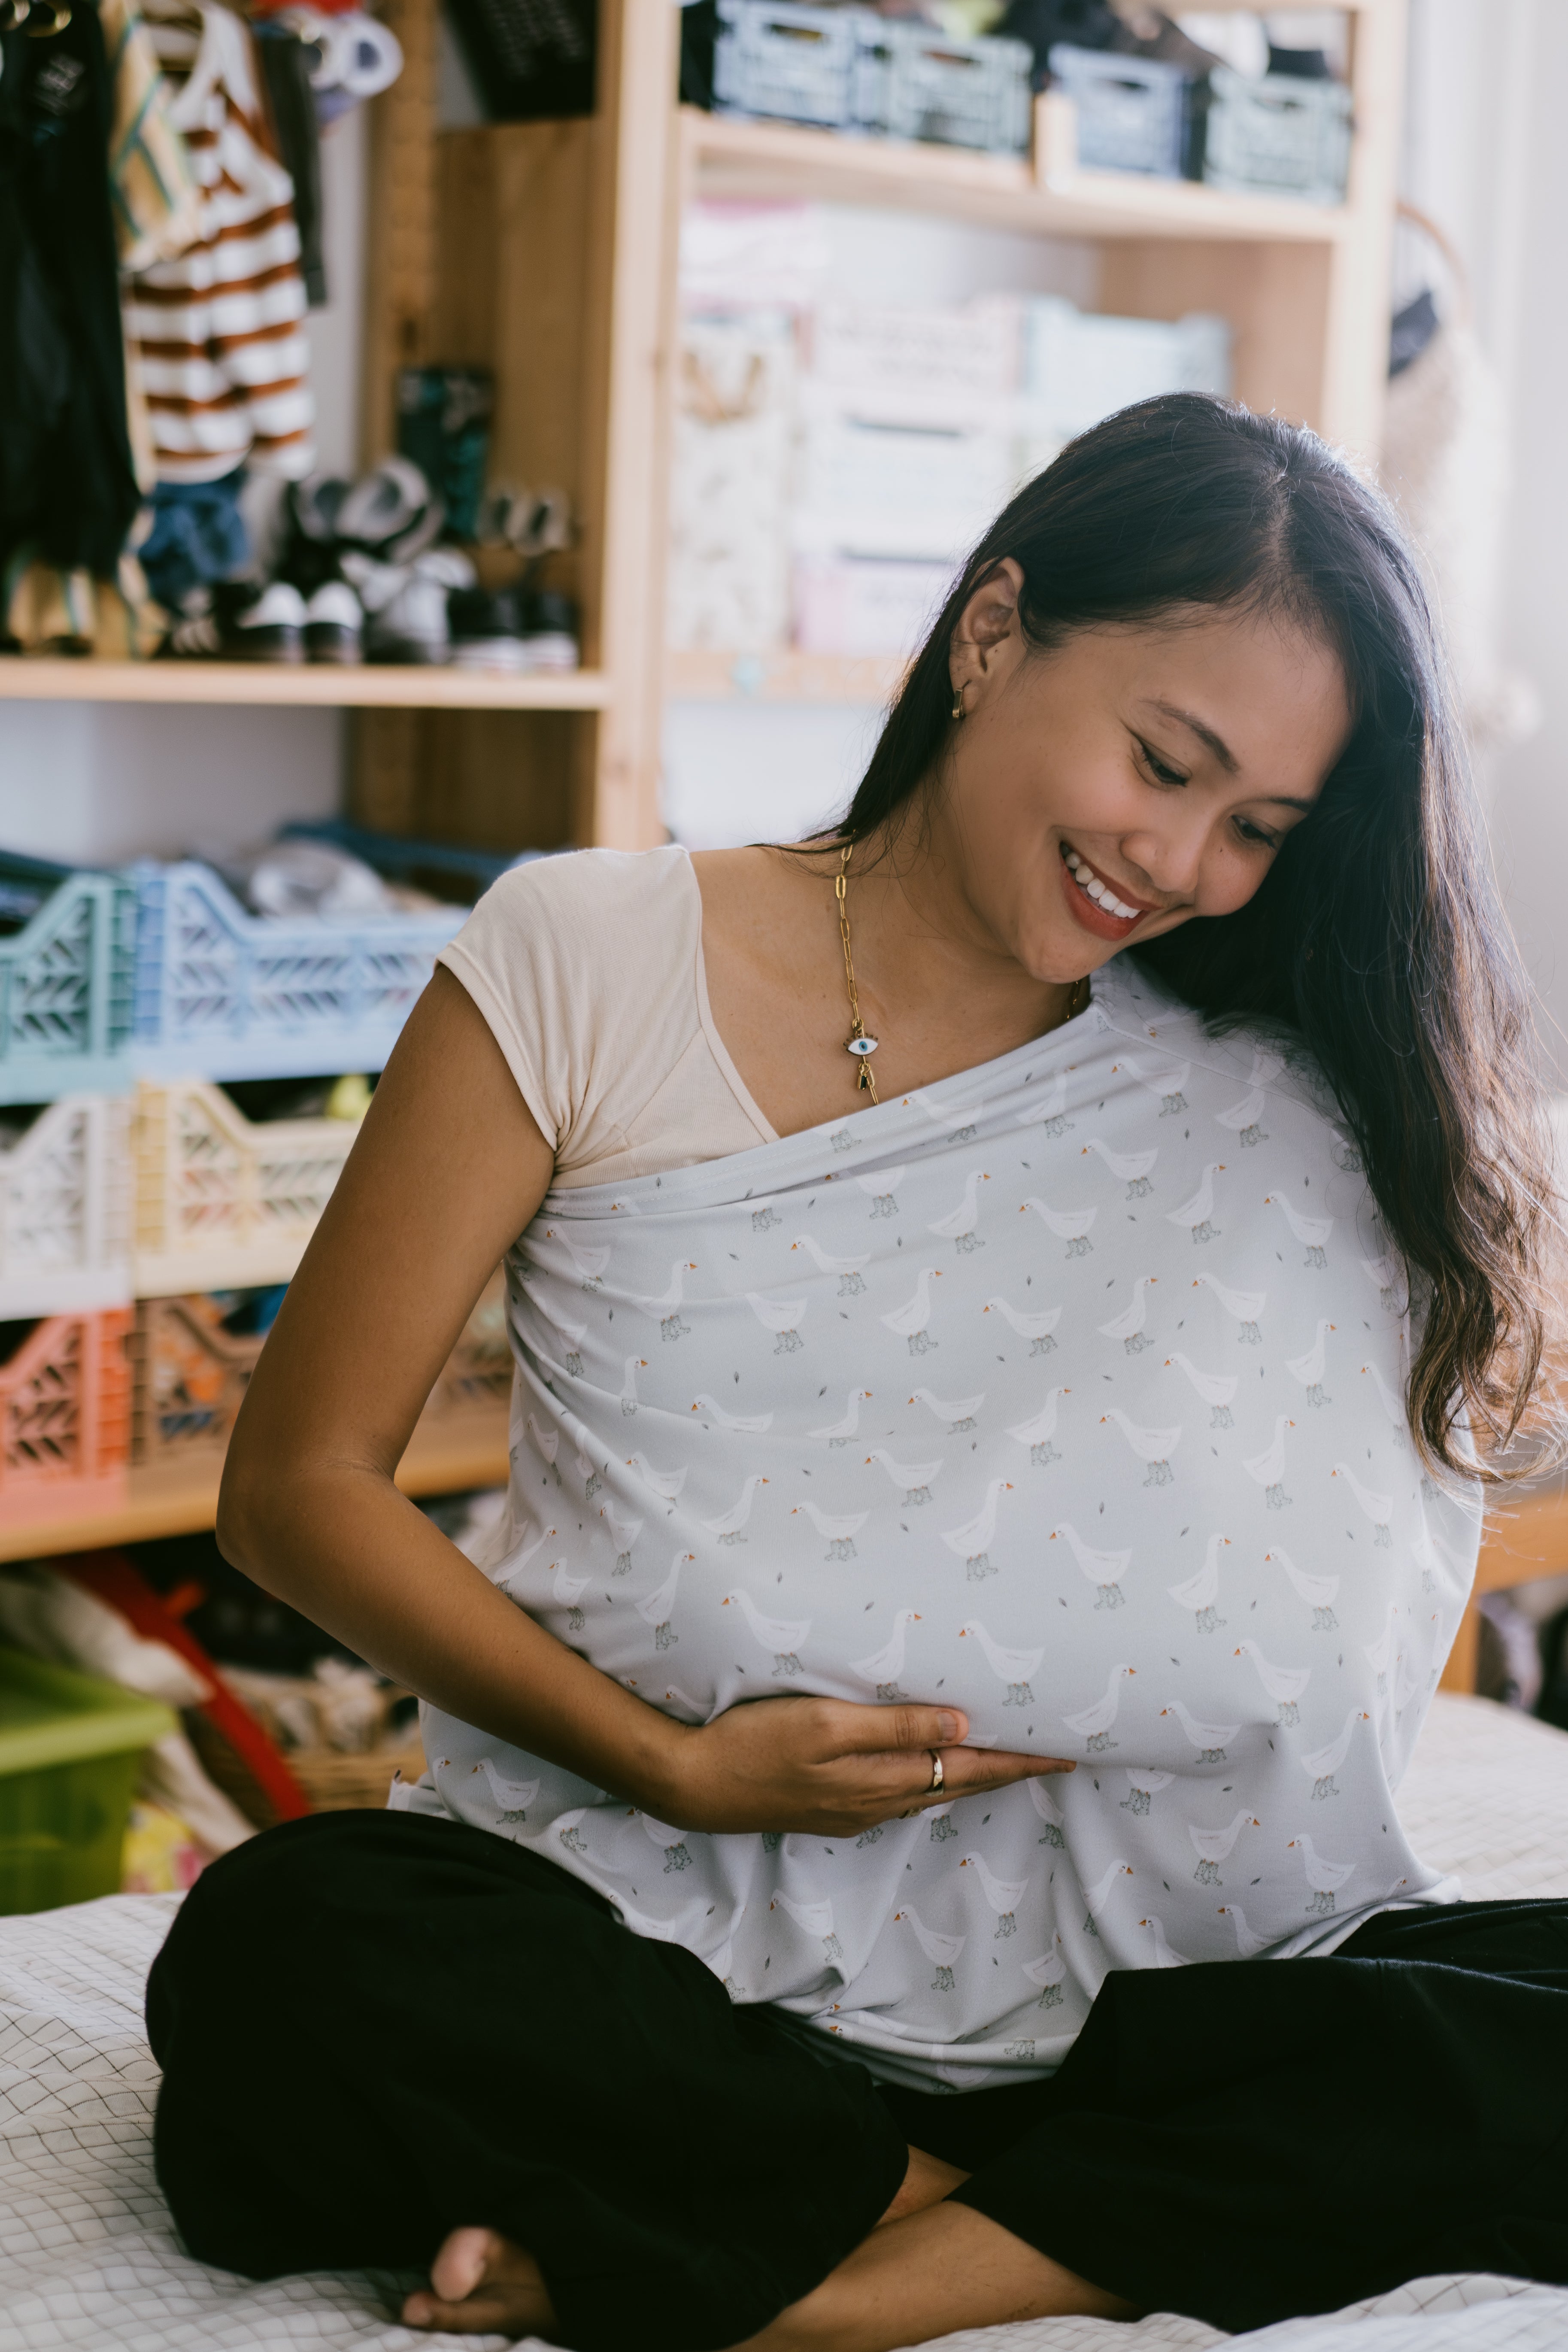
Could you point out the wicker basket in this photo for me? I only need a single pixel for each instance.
(341, 1784)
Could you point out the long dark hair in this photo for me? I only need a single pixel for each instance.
(1377, 939)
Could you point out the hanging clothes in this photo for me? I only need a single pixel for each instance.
(68, 490)
(218, 331)
(151, 187)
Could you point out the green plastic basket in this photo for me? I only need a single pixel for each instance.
(68, 1751)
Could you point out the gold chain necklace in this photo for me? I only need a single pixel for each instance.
(858, 1042)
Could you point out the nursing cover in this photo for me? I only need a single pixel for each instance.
(1066, 1391)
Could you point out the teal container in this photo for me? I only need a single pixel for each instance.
(69, 1748)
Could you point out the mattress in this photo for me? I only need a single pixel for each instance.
(87, 2256)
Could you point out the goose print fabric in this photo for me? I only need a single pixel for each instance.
(1066, 1391)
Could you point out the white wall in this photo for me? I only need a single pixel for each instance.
(1486, 156)
(107, 781)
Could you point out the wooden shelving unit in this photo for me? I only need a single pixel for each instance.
(307, 686)
(464, 1449)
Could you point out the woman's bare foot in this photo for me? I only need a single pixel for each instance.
(481, 2285)
(927, 2182)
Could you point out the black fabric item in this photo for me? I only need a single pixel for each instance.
(286, 64)
(67, 488)
(376, 2027)
(530, 60)
(1084, 24)
(364, 1999)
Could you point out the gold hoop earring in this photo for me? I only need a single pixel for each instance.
(958, 702)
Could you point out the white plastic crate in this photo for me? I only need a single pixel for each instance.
(231, 994)
(877, 488)
(1279, 133)
(962, 354)
(224, 1202)
(65, 1241)
(1081, 365)
(789, 60)
(730, 482)
(915, 82)
(1132, 111)
(849, 606)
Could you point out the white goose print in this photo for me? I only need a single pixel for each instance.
(1130, 1168)
(666, 1308)
(1200, 1593)
(1049, 1110)
(1269, 1467)
(910, 1321)
(665, 1483)
(851, 1271)
(567, 1591)
(1095, 1897)
(957, 1412)
(626, 1533)
(839, 1432)
(635, 1364)
(1309, 1369)
(513, 1798)
(1070, 1225)
(1213, 1846)
(1379, 1654)
(659, 1607)
(913, 1478)
(727, 1527)
(782, 1638)
(1377, 1508)
(534, 1540)
(1324, 1878)
(1037, 1432)
(1197, 1214)
(547, 1441)
(1153, 1447)
(1163, 1081)
(746, 1425)
(1284, 1685)
(1143, 1788)
(1392, 1404)
(1318, 1591)
(1387, 1279)
(1310, 1232)
(783, 1318)
(1128, 1326)
(816, 1919)
(1210, 1740)
(884, 1667)
(1036, 1329)
(589, 1265)
(671, 1845)
(837, 1529)
(1013, 1667)
(958, 1124)
(1218, 1389)
(1049, 1972)
(1246, 1306)
(1322, 1763)
(572, 1334)
(1164, 1958)
(1245, 1119)
(972, 1541)
(1049, 1811)
(942, 1951)
(1095, 1723)
(1248, 1944)
(883, 1187)
(1003, 1897)
(1103, 1569)
(959, 1227)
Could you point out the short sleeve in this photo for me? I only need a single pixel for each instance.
(582, 968)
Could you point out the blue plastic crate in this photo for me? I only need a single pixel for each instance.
(224, 994)
(793, 61)
(1132, 112)
(65, 981)
(915, 82)
(1280, 135)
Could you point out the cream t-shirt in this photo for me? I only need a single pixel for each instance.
(588, 971)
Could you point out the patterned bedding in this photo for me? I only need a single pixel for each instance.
(87, 2258)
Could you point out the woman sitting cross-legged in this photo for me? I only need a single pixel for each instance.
(988, 1510)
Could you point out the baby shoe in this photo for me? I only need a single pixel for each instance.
(334, 625)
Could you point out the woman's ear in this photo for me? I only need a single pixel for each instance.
(989, 636)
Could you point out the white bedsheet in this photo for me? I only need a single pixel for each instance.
(87, 2257)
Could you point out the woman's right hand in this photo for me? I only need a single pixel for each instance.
(827, 1768)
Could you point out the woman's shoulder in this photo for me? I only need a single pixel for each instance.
(602, 889)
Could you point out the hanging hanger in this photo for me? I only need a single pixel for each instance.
(175, 29)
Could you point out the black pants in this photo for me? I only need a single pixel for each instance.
(374, 2027)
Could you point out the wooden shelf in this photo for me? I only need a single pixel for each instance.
(1049, 195)
(781, 676)
(457, 1451)
(309, 685)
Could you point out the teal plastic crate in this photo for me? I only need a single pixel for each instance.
(69, 1748)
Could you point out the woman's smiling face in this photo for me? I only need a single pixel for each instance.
(1131, 778)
